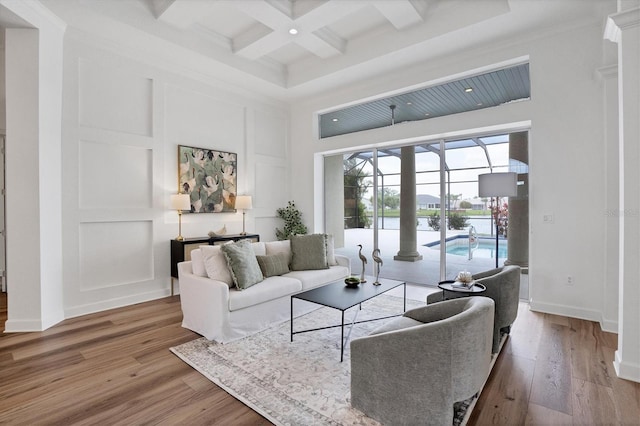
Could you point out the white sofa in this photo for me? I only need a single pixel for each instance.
(216, 311)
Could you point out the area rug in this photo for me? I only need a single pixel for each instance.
(301, 382)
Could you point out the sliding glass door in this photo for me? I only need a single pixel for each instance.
(447, 227)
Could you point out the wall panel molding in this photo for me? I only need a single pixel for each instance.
(115, 253)
(112, 99)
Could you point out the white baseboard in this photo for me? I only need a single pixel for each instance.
(22, 326)
(565, 310)
(609, 325)
(27, 326)
(119, 302)
(626, 370)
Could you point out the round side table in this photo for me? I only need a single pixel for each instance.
(474, 290)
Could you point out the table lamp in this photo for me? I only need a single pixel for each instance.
(244, 203)
(180, 202)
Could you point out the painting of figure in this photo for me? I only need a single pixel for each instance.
(209, 177)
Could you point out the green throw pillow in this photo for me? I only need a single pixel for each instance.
(242, 262)
(309, 252)
(275, 264)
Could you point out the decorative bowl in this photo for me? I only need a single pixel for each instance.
(352, 282)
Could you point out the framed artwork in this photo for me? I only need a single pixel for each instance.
(209, 177)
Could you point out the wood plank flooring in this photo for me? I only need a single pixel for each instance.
(114, 368)
(557, 371)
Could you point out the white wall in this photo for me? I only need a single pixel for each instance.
(33, 206)
(566, 143)
(3, 105)
(123, 121)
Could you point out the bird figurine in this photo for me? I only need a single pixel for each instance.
(219, 232)
(376, 268)
(364, 262)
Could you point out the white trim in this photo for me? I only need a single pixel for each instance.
(626, 370)
(617, 21)
(33, 11)
(565, 310)
(20, 326)
(119, 302)
(609, 325)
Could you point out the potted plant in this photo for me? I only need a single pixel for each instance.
(292, 222)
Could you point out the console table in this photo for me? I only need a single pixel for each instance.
(181, 250)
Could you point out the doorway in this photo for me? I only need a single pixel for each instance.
(448, 207)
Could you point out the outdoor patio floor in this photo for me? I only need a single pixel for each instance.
(425, 272)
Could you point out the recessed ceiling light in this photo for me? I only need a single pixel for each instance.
(293, 31)
(426, 114)
(334, 120)
(409, 103)
(479, 104)
(468, 89)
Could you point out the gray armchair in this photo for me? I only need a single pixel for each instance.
(503, 286)
(411, 370)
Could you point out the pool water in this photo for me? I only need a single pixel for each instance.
(486, 249)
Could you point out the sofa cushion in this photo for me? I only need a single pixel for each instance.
(311, 279)
(197, 263)
(216, 264)
(241, 259)
(309, 252)
(275, 264)
(269, 289)
(259, 248)
(275, 247)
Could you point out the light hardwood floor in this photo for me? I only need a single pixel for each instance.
(114, 367)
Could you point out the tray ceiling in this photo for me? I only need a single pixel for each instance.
(338, 42)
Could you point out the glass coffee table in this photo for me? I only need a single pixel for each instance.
(338, 296)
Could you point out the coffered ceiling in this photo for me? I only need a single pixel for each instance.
(336, 42)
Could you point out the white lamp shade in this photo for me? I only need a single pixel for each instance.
(243, 202)
(180, 202)
(498, 185)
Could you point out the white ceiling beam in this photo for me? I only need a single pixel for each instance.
(264, 12)
(327, 13)
(323, 43)
(159, 6)
(312, 34)
(256, 47)
(284, 6)
(183, 13)
(401, 13)
(271, 32)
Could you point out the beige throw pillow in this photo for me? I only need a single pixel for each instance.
(216, 265)
(277, 247)
(197, 263)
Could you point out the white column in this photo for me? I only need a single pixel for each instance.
(609, 321)
(518, 248)
(408, 225)
(624, 29)
(33, 169)
(334, 198)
